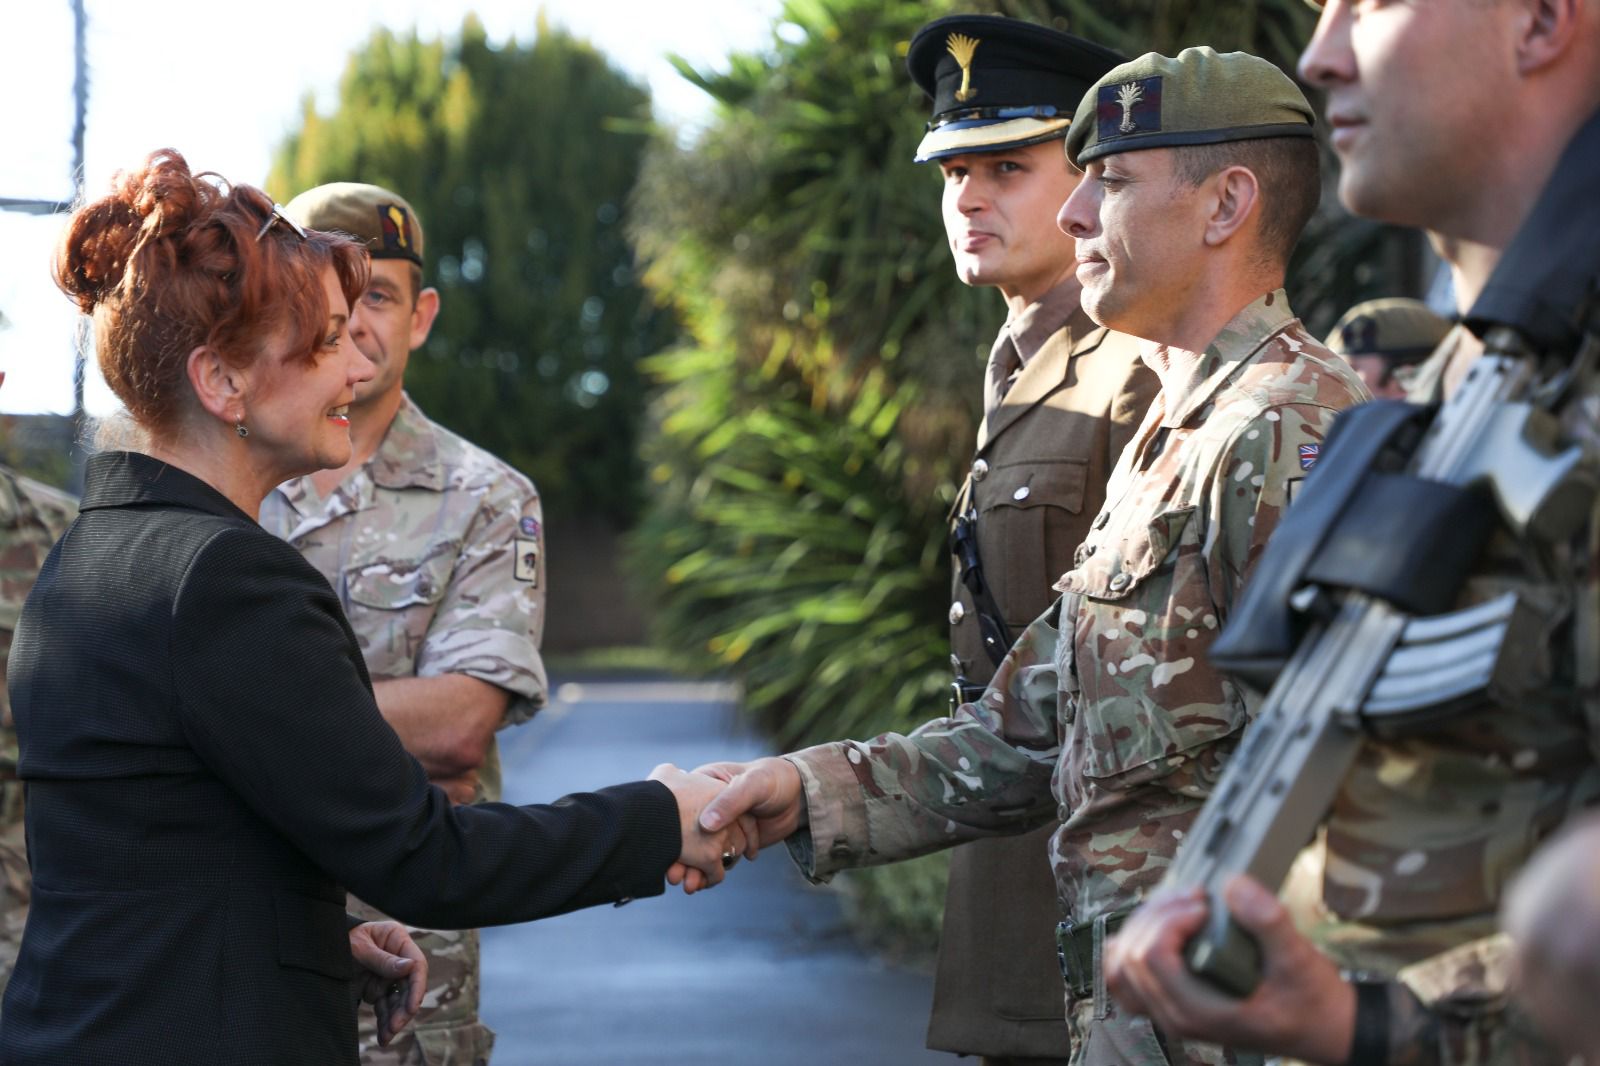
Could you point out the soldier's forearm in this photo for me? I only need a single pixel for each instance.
(446, 722)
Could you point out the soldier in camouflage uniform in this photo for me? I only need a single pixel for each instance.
(1447, 116)
(434, 548)
(32, 517)
(1106, 716)
(1386, 340)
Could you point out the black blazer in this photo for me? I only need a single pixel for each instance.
(207, 774)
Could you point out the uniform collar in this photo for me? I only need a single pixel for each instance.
(1074, 332)
(407, 457)
(1035, 324)
(1184, 393)
(127, 479)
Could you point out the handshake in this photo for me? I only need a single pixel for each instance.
(727, 810)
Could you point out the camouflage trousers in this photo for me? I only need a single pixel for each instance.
(446, 1032)
(16, 886)
(1104, 1035)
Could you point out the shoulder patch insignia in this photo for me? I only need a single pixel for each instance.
(529, 527)
(527, 560)
(1308, 455)
(1132, 107)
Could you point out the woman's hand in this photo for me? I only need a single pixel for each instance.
(706, 856)
(396, 976)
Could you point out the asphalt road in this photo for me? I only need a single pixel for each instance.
(760, 970)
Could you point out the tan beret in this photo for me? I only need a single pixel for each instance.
(373, 215)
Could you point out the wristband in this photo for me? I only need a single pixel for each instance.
(1369, 1045)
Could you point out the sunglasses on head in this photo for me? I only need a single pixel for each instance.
(277, 215)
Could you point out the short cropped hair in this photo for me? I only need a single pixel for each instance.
(1288, 171)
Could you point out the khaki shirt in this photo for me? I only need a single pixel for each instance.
(1106, 715)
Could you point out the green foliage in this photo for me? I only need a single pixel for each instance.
(809, 424)
(518, 160)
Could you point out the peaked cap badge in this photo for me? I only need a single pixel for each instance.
(961, 46)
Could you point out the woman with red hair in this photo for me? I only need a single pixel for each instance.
(207, 770)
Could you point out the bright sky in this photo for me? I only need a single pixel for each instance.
(222, 83)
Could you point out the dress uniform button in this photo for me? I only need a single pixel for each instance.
(957, 612)
(1020, 494)
(1119, 582)
(980, 469)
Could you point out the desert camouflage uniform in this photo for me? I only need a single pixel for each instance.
(1120, 731)
(435, 550)
(1426, 832)
(32, 517)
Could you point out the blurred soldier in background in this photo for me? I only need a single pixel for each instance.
(1385, 340)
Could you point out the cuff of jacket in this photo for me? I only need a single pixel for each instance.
(652, 832)
(837, 837)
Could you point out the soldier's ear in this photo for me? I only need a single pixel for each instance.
(423, 313)
(1236, 197)
(1546, 30)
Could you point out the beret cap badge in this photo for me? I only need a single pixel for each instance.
(395, 228)
(962, 47)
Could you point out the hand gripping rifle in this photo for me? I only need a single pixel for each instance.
(1347, 623)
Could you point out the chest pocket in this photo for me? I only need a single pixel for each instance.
(1149, 697)
(1030, 522)
(392, 602)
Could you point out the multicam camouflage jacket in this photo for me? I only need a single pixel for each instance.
(1426, 832)
(436, 551)
(1106, 714)
(32, 518)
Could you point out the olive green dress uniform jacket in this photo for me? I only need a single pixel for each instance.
(1038, 479)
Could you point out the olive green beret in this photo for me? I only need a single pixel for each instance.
(1200, 97)
(1402, 331)
(371, 214)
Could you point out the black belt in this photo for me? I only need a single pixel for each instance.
(1075, 950)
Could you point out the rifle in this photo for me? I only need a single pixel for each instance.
(1347, 623)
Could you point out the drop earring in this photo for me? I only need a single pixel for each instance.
(239, 428)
